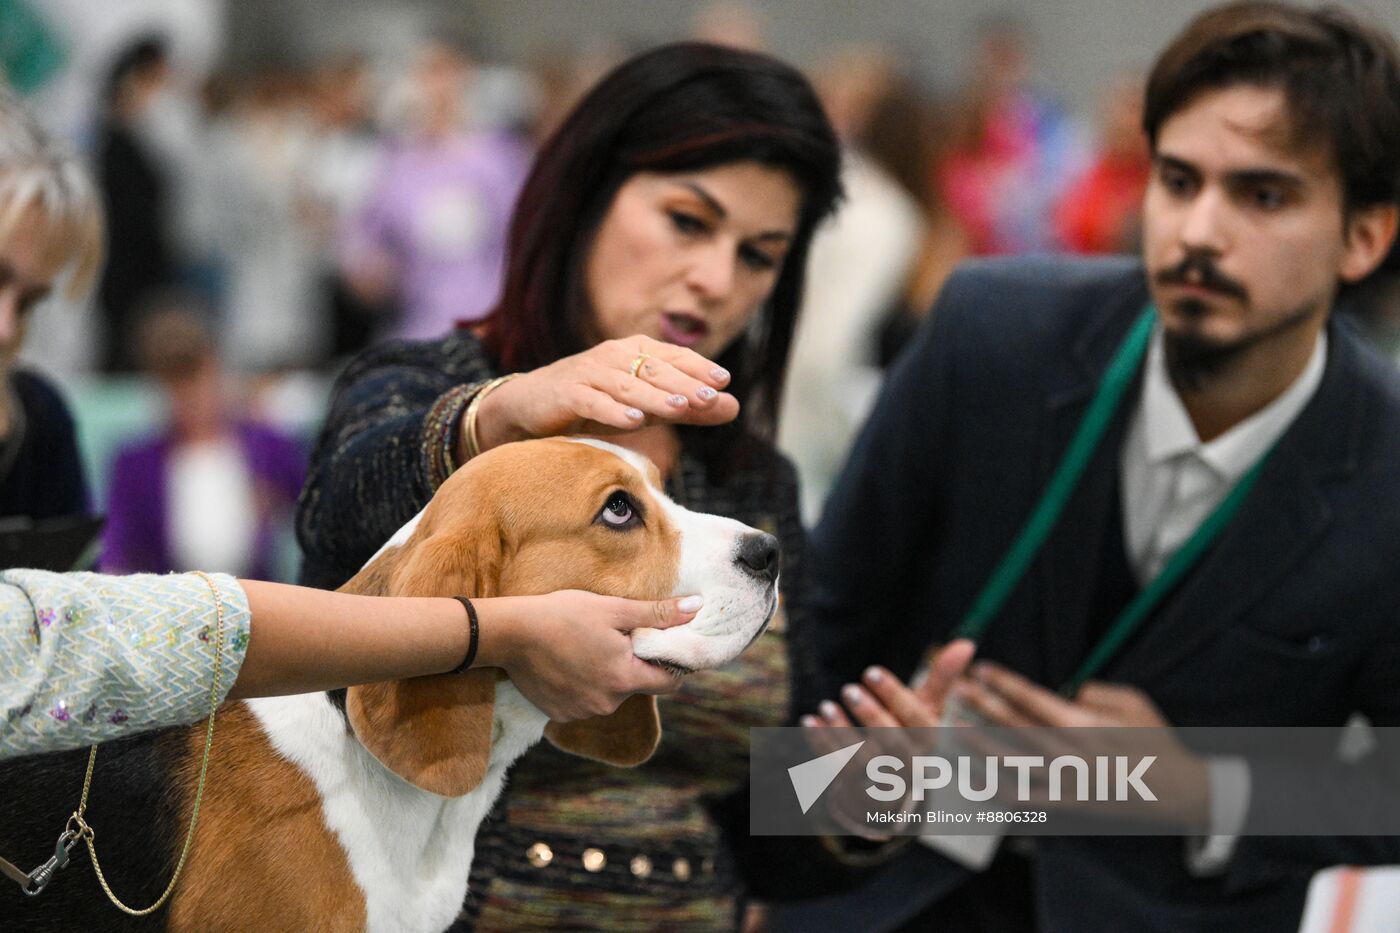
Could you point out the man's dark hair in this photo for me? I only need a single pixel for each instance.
(1340, 79)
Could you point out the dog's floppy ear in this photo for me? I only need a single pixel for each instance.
(626, 737)
(434, 732)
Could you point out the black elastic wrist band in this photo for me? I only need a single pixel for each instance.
(475, 636)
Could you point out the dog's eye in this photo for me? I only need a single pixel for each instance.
(619, 511)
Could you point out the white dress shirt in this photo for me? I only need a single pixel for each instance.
(1170, 482)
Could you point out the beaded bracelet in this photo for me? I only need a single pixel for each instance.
(440, 428)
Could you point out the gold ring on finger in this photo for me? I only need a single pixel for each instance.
(637, 363)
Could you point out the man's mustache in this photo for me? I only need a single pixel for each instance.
(1201, 271)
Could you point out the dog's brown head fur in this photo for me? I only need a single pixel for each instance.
(522, 519)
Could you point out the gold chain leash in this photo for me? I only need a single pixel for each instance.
(86, 832)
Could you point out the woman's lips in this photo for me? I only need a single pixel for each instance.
(683, 329)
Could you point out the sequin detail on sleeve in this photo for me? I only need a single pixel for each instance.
(87, 658)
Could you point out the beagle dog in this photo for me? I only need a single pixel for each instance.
(330, 814)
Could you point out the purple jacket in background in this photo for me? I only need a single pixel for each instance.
(137, 534)
(438, 211)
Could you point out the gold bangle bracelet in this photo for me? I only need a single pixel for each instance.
(473, 443)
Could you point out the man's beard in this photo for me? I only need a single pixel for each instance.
(1195, 361)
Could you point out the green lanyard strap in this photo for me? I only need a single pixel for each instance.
(1087, 437)
(1143, 604)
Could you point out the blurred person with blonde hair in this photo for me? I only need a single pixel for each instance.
(50, 223)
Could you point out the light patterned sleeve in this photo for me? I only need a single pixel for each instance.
(86, 657)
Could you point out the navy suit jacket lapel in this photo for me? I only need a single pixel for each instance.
(1070, 563)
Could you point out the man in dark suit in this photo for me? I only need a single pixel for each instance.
(1275, 134)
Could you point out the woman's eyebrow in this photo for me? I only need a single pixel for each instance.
(714, 205)
(705, 196)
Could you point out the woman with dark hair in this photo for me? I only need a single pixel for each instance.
(654, 272)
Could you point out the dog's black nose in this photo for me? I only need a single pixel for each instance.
(758, 554)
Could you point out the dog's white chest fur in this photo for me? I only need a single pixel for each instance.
(410, 850)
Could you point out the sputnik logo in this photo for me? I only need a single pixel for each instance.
(811, 778)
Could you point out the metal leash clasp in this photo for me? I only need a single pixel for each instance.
(40, 877)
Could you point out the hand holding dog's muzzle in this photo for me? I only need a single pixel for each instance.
(545, 640)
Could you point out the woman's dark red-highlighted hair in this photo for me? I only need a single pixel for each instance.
(677, 108)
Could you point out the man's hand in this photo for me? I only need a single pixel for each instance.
(1100, 717)
(884, 701)
(1006, 698)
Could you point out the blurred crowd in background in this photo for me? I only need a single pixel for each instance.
(267, 222)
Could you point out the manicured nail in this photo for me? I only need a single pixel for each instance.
(635, 414)
(676, 401)
(810, 721)
(719, 374)
(873, 675)
(828, 709)
(705, 393)
(690, 604)
(852, 694)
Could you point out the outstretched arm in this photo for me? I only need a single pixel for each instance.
(87, 658)
(568, 652)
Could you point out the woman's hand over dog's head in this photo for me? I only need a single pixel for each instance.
(615, 386)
